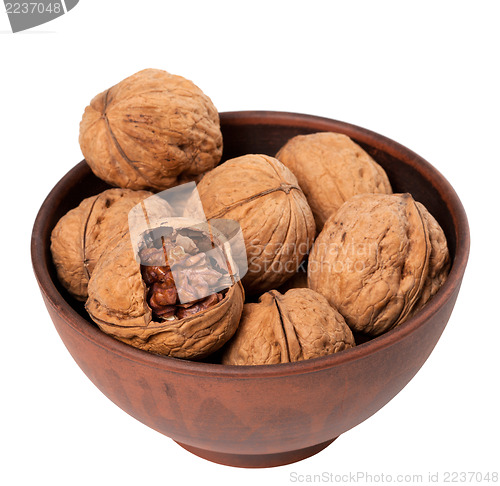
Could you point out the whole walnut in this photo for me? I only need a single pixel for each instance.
(263, 196)
(281, 328)
(378, 260)
(137, 298)
(152, 130)
(82, 234)
(331, 168)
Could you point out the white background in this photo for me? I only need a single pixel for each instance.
(423, 73)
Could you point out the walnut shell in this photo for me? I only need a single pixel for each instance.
(378, 260)
(331, 168)
(263, 196)
(152, 130)
(439, 260)
(118, 304)
(281, 328)
(81, 235)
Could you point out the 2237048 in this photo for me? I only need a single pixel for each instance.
(470, 477)
(33, 7)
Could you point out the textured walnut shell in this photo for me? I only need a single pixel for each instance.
(439, 260)
(82, 234)
(281, 328)
(378, 260)
(331, 168)
(117, 304)
(151, 131)
(263, 196)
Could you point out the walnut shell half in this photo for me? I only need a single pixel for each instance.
(81, 235)
(281, 328)
(331, 168)
(378, 260)
(118, 304)
(264, 197)
(152, 130)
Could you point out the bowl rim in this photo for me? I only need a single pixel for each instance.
(91, 332)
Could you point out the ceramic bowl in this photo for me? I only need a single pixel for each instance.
(269, 415)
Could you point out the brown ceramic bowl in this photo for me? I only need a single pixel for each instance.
(269, 415)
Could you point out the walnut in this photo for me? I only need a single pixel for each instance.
(152, 130)
(263, 196)
(140, 303)
(81, 236)
(330, 169)
(280, 328)
(379, 260)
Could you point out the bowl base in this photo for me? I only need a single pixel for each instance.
(257, 460)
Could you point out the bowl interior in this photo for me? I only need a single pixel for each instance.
(266, 132)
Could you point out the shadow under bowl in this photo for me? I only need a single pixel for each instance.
(259, 416)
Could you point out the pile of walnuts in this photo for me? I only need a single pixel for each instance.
(373, 258)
